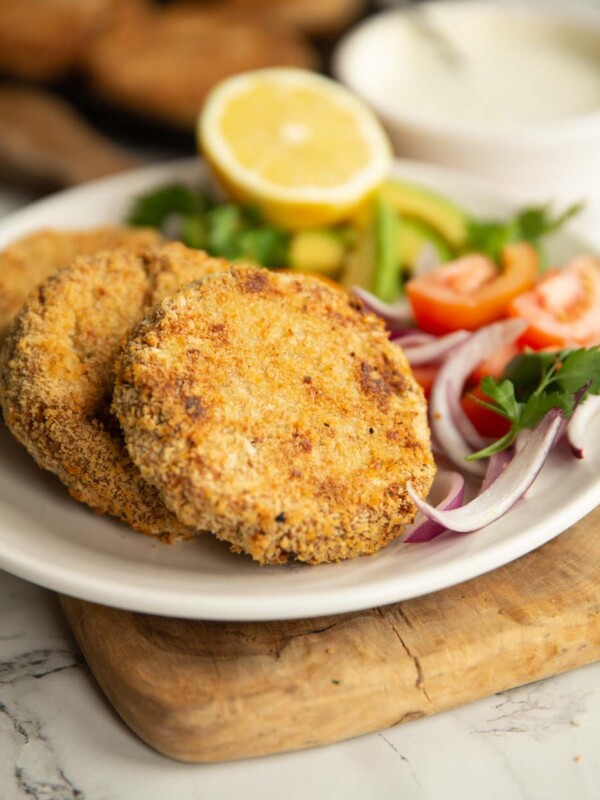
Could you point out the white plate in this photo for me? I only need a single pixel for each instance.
(50, 539)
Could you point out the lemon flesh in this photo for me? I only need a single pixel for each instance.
(294, 143)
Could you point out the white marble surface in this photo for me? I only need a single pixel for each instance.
(60, 739)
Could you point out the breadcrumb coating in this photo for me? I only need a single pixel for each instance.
(56, 375)
(315, 17)
(26, 262)
(42, 40)
(272, 409)
(164, 63)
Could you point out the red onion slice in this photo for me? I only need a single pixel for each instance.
(396, 315)
(506, 489)
(496, 466)
(425, 530)
(578, 396)
(428, 259)
(577, 432)
(447, 416)
(432, 351)
(411, 337)
(463, 424)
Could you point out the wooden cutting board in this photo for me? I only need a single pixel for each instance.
(210, 691)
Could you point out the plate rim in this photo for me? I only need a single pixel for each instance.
(160, 600)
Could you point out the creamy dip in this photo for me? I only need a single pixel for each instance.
(479, 62)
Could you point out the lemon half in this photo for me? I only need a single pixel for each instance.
(298, 145)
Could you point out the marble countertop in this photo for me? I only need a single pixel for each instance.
(61, 740)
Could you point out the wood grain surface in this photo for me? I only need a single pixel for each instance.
(45, 143)
(211, 691)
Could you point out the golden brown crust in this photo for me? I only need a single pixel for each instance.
(28, 261)
(272, 410)
(44, 39)
(316, 17)
(56, 374)
(164, 64)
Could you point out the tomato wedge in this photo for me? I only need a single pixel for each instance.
(563, 310)
(470, 292)
(486, 423)
(496, 363)
(425, 375)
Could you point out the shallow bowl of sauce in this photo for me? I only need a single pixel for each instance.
(510, 91)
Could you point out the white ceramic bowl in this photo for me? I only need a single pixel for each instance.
(533, 158)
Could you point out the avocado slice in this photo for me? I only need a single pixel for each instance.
(426, 206)
(359, 267)
(373, 263)
(318, 250)
(412, 236)
(386, 282)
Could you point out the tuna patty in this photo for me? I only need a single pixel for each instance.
(28, 261)
(56, 375)
(271, 409)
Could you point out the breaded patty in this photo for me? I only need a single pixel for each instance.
(316, 17)
(44, 39)
(271, 409)
(56, 374)
(164, 64)
(26, 262)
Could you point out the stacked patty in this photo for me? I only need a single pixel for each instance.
(266, 407)
(56, 374)
(28, 261)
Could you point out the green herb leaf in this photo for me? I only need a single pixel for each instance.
(577, 368)
(502, 402)
(495, 447)
(537, 406)
(194, 232)
(225, 224)
(235, 231)
(267, 246)
(536, 222)
(228, 230)
(527, 370)
(535, 383)
(503, 395)
(152, 209)
(528, 225)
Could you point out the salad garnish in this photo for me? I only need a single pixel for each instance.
(508, 487)
(539, 394)
(153, 208)
(386, 274)
(448, 302)
(452, 484)
(577, 432)
(490, 237)
(229, 230)
(401, 237)
(533, 384)
(448, 421)
(429, 351)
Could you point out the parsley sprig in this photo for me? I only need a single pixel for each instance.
(528, 225)
(533, 384)
(233, 231)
